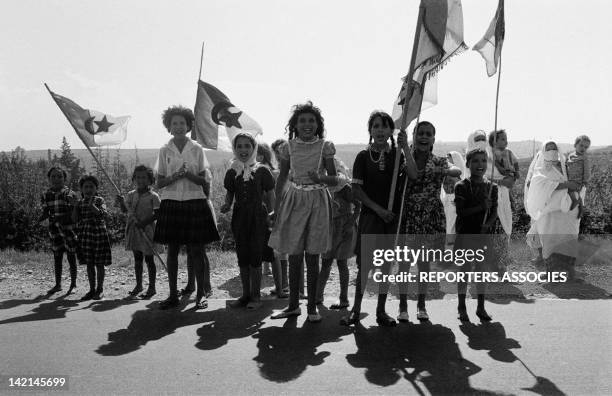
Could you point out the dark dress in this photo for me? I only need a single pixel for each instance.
(249, 216)
(59, 211)
(468, 195)
(94, 242)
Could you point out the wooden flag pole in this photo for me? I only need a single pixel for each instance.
(100, 167)
(410, 87)
(484, 220)
(201, 62)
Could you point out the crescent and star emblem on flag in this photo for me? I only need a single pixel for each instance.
(221, 115)
(103, 125)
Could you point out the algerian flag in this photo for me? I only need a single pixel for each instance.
(213, 109)
(490, 46)
(93, 127)
(440, 37)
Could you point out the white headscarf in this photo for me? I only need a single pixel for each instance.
(541, 195)
(244, 168)
(473, 144)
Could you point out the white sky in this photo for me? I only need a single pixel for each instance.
(347, 56)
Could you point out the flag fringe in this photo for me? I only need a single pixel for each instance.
(441, 63)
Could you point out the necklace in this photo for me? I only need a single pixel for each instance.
(381, 158)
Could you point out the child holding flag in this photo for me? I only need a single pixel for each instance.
(140, 205)
(94, 242)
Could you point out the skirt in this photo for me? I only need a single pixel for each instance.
(185, 222)
(303, 223)
(94, 246)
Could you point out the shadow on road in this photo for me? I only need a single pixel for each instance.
(286, 352)
(54, 309)
(492, 337)
(220, 325)
(577, 289)
(424, 355)
(8, 304)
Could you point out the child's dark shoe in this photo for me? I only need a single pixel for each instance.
(239, 303)
(383, 319)
(136, 291)
(483, 315)
(88, 296)
(55, 289)
(98, 295)
(72, 288)
(351, 319)
(339, 305)
(170, 302)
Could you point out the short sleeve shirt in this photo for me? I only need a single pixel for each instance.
(170, 160)
(374, 182)
(249, 192)
(306, 157)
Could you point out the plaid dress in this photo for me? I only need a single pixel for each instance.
(61, 228)
(94, 243)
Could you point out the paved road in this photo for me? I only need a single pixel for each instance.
(114, 346)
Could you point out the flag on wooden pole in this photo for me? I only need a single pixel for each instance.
(490, 46)
(440, 38)
(93, 127)
(214, 109)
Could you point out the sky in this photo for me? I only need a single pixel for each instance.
(348, 56)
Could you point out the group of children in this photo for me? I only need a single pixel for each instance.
(77, 227)
(307, 208)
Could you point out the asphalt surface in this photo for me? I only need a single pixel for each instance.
(130, 347)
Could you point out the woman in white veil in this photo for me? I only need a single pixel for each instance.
(553, 224)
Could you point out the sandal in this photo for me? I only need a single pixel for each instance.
(403, 317)
(314, 317)
(383, 319)
(202, 304)
(99, 295)
(170, 302)
(483, 315)
(422, 314)
(339, 305)
(286, 313)
(208, 294)
(185, 292)
(351, 319)
(71, 289)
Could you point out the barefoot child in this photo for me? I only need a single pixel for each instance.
(579, 170)
(140, 205)
(57, 204)
(473, 203)
(345, 212)
(303, 216)
(251, 185)
(94, 243)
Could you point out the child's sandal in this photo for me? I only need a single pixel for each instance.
(351, 319)
(483, 315)
(55, 289)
